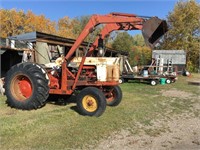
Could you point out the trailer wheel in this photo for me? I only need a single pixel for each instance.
(91, 102)
(26, 86)
(125, 80)
(114, 97)
(168, 81)
(153, 82)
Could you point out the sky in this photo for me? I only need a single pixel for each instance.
(56, 9)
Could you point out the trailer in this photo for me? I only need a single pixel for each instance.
(153, 80)
(152, 73)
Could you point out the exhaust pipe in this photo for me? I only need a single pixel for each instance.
(153, 29)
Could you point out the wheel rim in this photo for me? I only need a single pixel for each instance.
(120, 81)
(168, 81)
(153, 83)
(111, 96)
(21, 87)
(89, 103)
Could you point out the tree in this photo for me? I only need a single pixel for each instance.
(138, 40)
(141, 54)
(123, 41)
(13, 22)
(66, 27)
(80, 25)
(184, 33)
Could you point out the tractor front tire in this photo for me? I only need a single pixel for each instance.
(26, 86)
(114, 97)
(91, 102)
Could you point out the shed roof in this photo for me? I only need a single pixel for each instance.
(36, 36)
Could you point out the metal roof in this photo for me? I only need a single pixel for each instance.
(34, 36)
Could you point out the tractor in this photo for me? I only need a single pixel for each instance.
(95, 79)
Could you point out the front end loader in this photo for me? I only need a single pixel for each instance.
(95, 79)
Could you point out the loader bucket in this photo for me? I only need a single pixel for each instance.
(153, 29)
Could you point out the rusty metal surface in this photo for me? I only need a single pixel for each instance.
(82, 83)
(153, 30)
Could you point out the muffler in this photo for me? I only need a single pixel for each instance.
(153, 29)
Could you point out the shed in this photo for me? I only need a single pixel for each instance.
(44, 48)
(178, 58)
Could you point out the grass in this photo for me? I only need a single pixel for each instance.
(61, 127)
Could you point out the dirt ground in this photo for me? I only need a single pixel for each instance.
(181, 132)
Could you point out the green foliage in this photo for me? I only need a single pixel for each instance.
(123, 41)
(80, 25)
(81, 22)
(139, 54)
(138, 40)
(184, 33)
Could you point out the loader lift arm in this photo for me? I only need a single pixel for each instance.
(112, 27)
(115, 21)
(102, 19)
(152, 29)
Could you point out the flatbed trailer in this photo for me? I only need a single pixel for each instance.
(152, 79)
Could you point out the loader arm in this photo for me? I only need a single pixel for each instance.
(96, 20)
(108, 28)
(113, 21)
(92, 23)
(152, 29)
(151, 36)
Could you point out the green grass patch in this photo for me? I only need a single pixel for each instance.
(61, 127)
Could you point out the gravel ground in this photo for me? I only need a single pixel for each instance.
(180, 132)
(183, 134)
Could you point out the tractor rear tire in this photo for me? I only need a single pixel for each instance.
(91, 102)
(115, 96)
(26, 86)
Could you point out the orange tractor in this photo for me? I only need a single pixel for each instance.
(28, 84)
